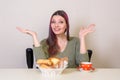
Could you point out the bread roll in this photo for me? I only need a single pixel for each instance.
(55, 61)
(61, 63)
(45, 66)
(52, 62)
(44, 61)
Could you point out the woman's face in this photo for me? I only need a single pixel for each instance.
(58, 25)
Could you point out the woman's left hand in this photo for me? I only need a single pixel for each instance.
(84, 31)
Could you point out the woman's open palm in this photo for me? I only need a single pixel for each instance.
(84, 31)
(26, 31)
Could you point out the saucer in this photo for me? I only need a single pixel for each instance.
(81, 69)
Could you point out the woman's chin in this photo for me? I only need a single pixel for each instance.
(57, 33)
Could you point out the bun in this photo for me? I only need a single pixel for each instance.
(45, 66)
(44, 61)
(55, 61)
(62, 62)
(52, 62)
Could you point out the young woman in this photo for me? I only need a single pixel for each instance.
(59, 43)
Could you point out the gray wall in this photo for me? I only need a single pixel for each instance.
(35, 15)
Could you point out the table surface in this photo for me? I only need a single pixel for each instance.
(68, 74)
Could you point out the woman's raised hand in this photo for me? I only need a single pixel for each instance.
(32, 33)
(84, 31)
(26, 31)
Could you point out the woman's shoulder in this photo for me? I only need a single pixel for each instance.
(43, 42)
(74, 39)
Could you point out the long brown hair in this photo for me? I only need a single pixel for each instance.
(52, 40)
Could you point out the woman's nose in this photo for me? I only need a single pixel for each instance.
(56, 24)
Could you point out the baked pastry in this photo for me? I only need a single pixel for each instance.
(55, 61)
(45, 66)
(44, 61)
(62, 62)
(52, 62)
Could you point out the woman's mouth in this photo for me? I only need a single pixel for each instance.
(56, 29)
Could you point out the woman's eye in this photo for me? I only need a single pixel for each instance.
(53, 22)
(61, 22)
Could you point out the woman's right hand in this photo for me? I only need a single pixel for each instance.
(32, 33)
(26, 31)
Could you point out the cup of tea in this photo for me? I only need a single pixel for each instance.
(86, 66)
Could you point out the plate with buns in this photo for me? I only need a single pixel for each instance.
(52, 65)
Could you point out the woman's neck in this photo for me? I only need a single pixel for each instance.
(62, 42)
(61, 37)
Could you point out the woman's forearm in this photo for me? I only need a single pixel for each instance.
(36, 41)
(82, 46)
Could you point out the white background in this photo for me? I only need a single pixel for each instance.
(35, 15)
